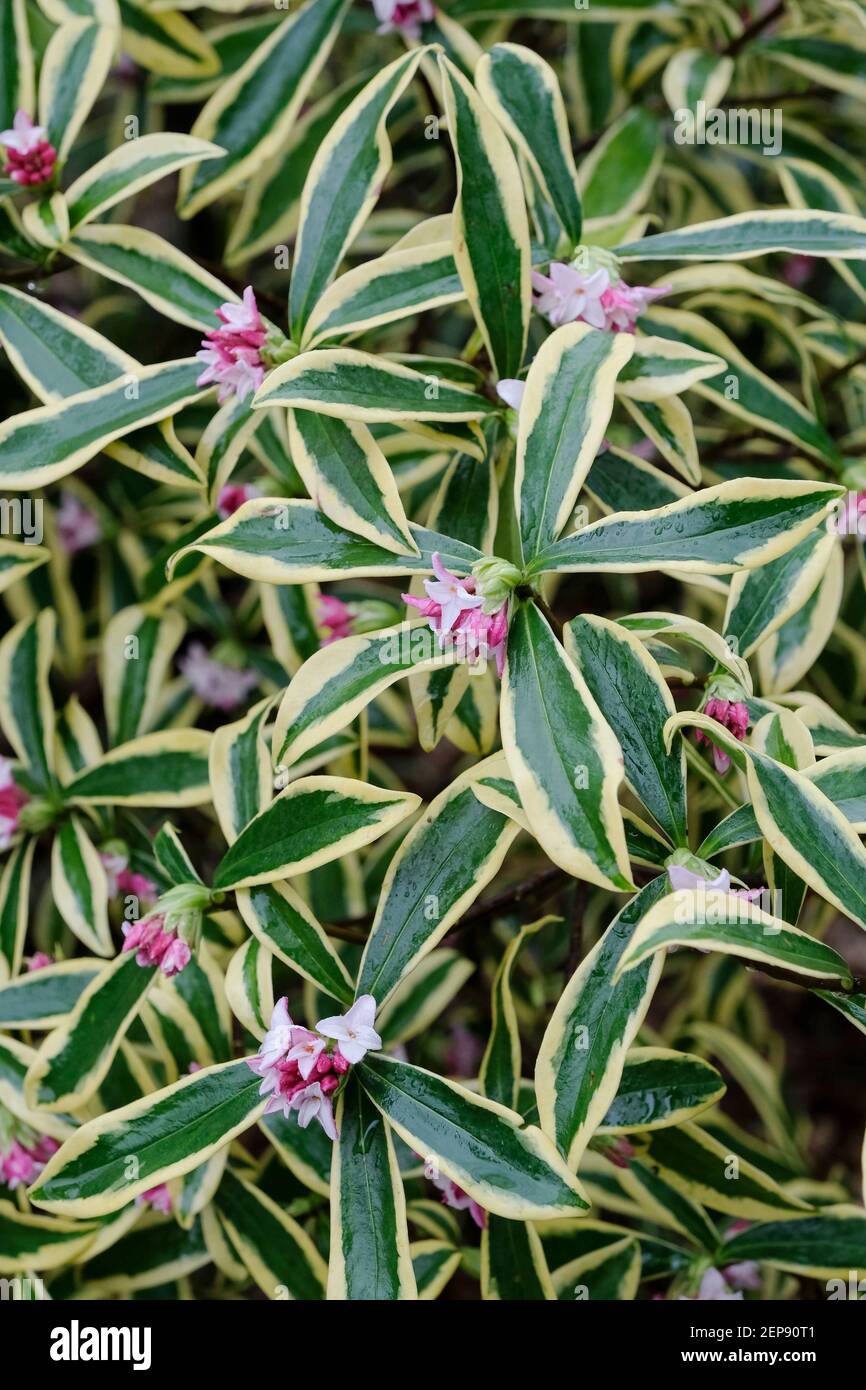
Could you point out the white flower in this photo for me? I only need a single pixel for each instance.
(354, 1031)
(681, 877)
(313, 1104)
(510, 390)
(24, 136)
(452, 595)
(567, 294)
(278, 1038)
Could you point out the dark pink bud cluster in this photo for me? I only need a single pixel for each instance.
(156, 946)
(30, 157)
(232, 352)
(734, 715)
(21, 1164)
(335, 617)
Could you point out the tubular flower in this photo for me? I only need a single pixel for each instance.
(24, 1157)
(12, 798)
(301, 1071)
(591, 290)
(405, 16)
(218, 684)
(232, 353)
(335, 617)
(232, 496)
(30, 157)
(734, 715)
(77, 527)
(155, 945)
(455, 611)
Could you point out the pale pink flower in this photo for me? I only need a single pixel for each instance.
(623, 304)
(567, 294)
(619, 1151)
(354, 1030)
(30, 158)
(407, 16)
(713, 1289)
(797, 271)
(453, 1196)
(312, 1104)
(233, 496)
(222, 686)
(77, 527)
(12, 798)
(510, 390)
(278, 1038)
(232, 353)
(157, 1197)
(734, 715)
(39, 960)
(19, 1167)
(746, 1274)
(305, 1050)
(120, 879)
(454, 611)
(335, 616)
(154, 945)
(680, 877)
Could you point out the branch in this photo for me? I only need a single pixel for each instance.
(752, 30)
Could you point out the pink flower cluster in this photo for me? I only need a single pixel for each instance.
(218, 684)
(30, 157)
(233, 496)
(734, 715)
(335, 617)
(455, 613)
(567, 294)
(300, 1072)
(453, 1196)
(21, 1163)
(12, 798)
(232, 352)
(77, 527)
(38, 961)
(154, 945)
(123, 880)
(407, 16)
(157, 1197)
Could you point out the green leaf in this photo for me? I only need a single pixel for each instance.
(583, 1051)
(353, 385)
(659, 1087)
(131, 167)
(170, 1132)
(819, 1247)
(79, 886)
(75, 1058)
(513, 1267)
(370, 1257)
(17, 86)
(26, 708)
(252, 113)
(716, 921)
(562, 754)
(508, 1167)
(446, 860)
(618, 174)
(346, 175)
(35, 1242)
(277, 1251)
(740, 524)
(344, 469)
(14, 909)
(292, 542)
(563, 416)
(626, 683)
(807, 233)
(282, 922)
(42, 999)
(313, 821)
(491, 230)
(499, 1074)
(523, 92)
(166, 768)
(39, 446)
(700, 1167)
